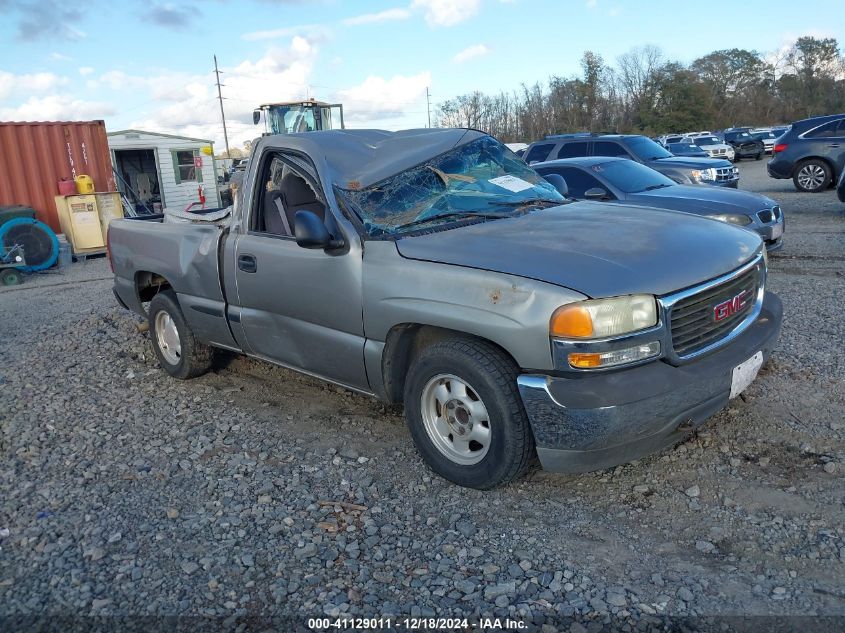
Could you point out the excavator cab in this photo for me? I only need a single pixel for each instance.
(291, 117)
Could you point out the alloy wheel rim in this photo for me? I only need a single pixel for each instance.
(167, 337)
(456, 419)
(811, 176)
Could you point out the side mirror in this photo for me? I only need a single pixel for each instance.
(256, 116)
(311, 232)
(557, 181)
(596, 193)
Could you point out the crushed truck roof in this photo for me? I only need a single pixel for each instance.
(359, 158)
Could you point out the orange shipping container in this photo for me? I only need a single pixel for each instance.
(35, 156)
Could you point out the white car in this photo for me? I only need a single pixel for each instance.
(766, 135)
(714, 146)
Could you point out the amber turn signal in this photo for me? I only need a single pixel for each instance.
(585, 361)
(571, 321)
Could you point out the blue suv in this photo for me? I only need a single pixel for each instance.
(811, 152)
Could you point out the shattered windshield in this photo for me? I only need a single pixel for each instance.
(481, 179)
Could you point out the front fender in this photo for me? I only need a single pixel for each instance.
(512, 312)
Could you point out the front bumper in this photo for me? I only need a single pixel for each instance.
(724, 183)
(600, 420)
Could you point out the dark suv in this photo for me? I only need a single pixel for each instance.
(811, 152)
(683, 170)
(745, 145)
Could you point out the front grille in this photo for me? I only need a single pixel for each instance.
(777, 212)
(727, 173)
(765, 215)
(692, 319)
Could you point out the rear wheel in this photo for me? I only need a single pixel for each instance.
(812, 176)
(465, 415)
(178, 351)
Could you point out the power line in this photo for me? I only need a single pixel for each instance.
(222, 114)
(428, 105)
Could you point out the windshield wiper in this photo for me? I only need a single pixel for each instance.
(454, 214)
(522, 203)
(653, 187)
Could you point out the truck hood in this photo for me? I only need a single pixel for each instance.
(684, 162)
(703, 199)
(593, 248)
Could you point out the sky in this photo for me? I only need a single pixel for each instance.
(147, 64)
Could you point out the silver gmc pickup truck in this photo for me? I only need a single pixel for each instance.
(434, 268)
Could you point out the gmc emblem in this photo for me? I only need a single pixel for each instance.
(731, 306)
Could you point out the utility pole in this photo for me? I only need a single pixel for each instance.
(428, 105)
(222, 114)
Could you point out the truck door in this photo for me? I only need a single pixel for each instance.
(298, 307)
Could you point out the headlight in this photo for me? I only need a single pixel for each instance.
(703, 174)
(732, 218)
(602, 318)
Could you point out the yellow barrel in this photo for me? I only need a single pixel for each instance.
(84, 184)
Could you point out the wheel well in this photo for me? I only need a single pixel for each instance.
(404, 342)
(149, 284)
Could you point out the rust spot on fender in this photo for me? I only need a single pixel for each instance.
(495, 295)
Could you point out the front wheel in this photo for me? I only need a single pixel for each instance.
(812, 176)
(177, 349)
(758, 156)
(465, 415)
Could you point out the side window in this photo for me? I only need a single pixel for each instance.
(840, 131)
(573, 150)
(824, 131)
(577, 181)
(284, 190)
(609, 148)
(538, 153)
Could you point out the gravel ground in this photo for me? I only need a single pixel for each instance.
(253, 491)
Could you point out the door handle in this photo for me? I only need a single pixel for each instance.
(247, 263)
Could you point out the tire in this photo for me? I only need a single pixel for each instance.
(759, 156)
(10, 277)
(812, 176)
(181, 355)
(433, 393)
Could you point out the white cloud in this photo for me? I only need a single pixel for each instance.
(187, 104)
(382, 16)
(57, 107)
(86, 70)
(447, 12)
(312, 31)
(11, 84)
(592, 4)
(59, 57)
(377, 98)
(471, 52)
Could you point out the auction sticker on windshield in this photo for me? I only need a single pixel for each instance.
(511, 183)
(745, 373)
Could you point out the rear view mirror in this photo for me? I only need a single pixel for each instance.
(256, 116)
(596, 193)
(311, 232)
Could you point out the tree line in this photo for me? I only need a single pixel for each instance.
(646, 93)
